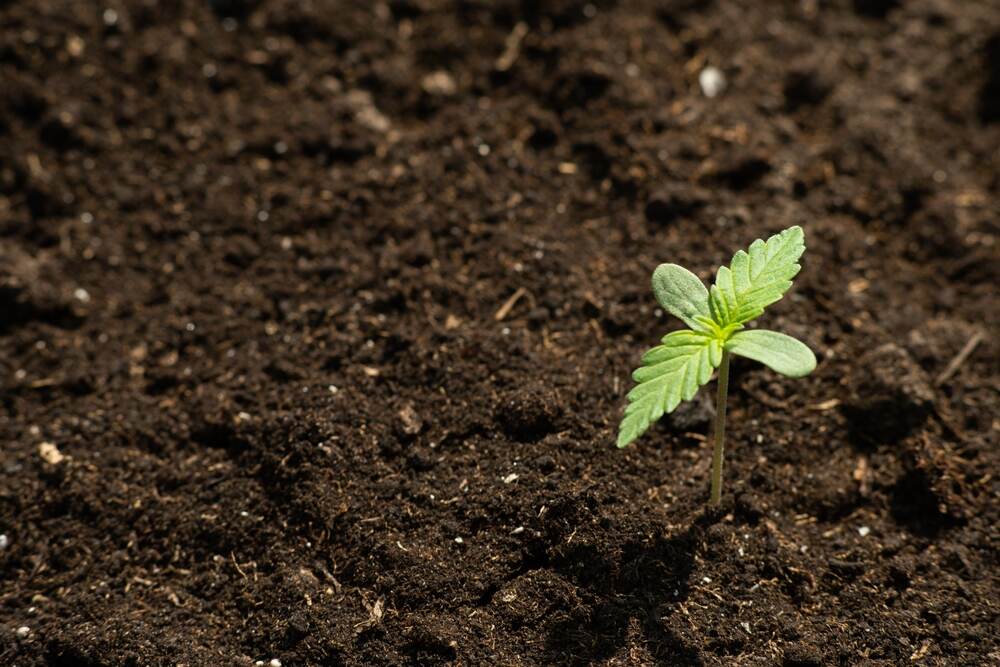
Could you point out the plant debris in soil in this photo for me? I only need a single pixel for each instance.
(316, 321)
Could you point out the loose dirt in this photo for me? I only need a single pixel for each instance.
(266, 392)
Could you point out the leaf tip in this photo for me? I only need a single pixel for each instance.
(808, 366)
(625, 439)
(797, 232)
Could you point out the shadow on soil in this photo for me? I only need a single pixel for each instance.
(645, 581)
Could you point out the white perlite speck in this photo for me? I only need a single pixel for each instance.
(22, 632)
(864, 530)
(712, 81)
(4, 541)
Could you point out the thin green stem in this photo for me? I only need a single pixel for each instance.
(720, 431)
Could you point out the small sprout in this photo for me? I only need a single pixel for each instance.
(674, 370)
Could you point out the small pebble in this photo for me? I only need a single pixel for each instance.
(712, 81)
(439, 83)
(110, 17)
(4, 542)
(275, 662)
(75, 45)
(22, 632)
(81, 294)
(50, 453)
(459, 540)
(864, 530)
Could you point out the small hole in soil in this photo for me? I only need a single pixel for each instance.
(425, 649)
(915, 505)
(742, 174)
(876, 9)
(989, 96)
(219, 436)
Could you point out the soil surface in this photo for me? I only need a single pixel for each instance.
(317, 321)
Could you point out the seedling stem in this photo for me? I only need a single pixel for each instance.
(720, 431)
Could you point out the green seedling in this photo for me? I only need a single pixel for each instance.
(673, 371)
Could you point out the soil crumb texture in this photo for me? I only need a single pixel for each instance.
(317, 320)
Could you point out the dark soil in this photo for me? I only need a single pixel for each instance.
(262, 397)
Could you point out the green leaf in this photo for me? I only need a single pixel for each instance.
(775, 350)
(681, 293)
(756, 278)
(670, 373)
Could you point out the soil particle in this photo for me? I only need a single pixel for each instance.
(528, 415)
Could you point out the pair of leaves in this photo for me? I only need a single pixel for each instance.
(674, 370)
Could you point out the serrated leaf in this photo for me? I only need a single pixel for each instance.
(670, 373)
(681, 293)
(776, 350)
(756, 278)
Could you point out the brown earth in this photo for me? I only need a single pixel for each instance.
(265, 394)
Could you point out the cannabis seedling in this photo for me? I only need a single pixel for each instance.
(673, 371)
